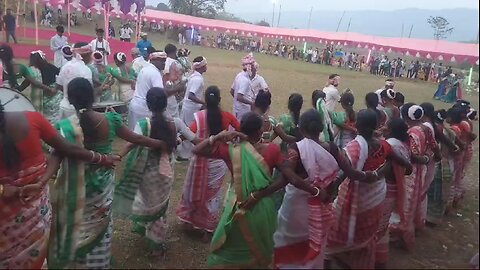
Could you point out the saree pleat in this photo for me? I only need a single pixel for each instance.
(245, 238)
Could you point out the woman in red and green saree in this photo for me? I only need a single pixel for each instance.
(46, 102)
(244, 235)
(125, 77)
(143, 193)
(287, 126)
(388, 101)
(345, 121)
(461, 128)
(82, 225)
(200, 206)
(24, 191)
(439, 191)
(102, 76)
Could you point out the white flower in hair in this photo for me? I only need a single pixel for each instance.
(413, 110)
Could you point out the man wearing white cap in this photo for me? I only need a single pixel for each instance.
(144, 44)
(193, 101)
(138, 60)
(243, 93)
(77, 67)
(150, 76)
(389, 84)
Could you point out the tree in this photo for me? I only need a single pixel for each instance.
(441, 27)
(162, 7)
(263, 23)
(199, 8)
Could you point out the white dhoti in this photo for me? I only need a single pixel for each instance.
(184, 150)
(137, 110)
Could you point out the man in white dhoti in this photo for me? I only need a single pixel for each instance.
(56, 44)
(150, 76)
(73, 69)
(193, 101)
(243, 93)
(101, 45)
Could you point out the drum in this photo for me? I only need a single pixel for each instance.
(117, 106)
(14, 101)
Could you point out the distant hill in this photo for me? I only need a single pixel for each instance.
(381, 23)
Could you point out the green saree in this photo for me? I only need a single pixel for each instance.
(244, 239)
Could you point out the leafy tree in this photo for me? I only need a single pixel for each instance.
(199, 8)
(263, 23)
(162, 7)
(441, 27)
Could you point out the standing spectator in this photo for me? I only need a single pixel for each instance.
(126, 33)
(10, 26)
(180, 38)
(111, 30)
(332, 96)
(56, 44)
(144, 44)
(101, 45)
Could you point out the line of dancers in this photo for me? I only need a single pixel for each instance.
(339, 187)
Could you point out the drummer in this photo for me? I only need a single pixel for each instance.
(13, 72)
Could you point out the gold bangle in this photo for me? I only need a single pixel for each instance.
(253, 197)
(318, 192)
(2, 190)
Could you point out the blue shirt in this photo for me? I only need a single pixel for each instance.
(143, 46)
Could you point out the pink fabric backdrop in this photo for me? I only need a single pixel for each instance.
(420, 47)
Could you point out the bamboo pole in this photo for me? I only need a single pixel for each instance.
(36, 20)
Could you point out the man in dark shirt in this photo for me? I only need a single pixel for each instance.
(10, 26)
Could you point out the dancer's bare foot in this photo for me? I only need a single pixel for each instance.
(160, 252)
(207, 237)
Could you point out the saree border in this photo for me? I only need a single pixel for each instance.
(240, 213)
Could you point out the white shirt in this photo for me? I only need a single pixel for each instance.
(332, 97)
(168, 63)
(138, 63)
(258, 83)
(98, 46)
(242, 85)
(148, 78)
(72, 69)
(126, 32)
(195, 85)
(56, 44)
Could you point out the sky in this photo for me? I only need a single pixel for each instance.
(242, 6)
(234, 6)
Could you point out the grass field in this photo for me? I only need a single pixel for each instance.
(450, 245)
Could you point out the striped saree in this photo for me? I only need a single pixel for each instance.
(143, 194)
